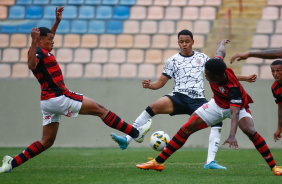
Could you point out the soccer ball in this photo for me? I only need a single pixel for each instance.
(159, 140)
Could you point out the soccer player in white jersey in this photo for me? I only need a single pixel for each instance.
(187, 69)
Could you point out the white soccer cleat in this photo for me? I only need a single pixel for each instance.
(143, 131)
(6, 166)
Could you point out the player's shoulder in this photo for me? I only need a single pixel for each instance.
(275, 85)
(200, 54)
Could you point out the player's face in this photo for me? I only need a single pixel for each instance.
(185, 43)
(47, 42)
(276, 71)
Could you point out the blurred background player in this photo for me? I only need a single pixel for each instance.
(230, 100)
(187, 69)
(57, 100)
(276, 70)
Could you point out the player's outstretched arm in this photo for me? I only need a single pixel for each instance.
(32, 61)
(155, 85)
(58, 13)
(277, 133)
(250, 78)
(221, 51)
(264, 54)
(233, 129)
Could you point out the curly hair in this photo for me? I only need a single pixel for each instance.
(215, 66)
(185, 32)
(276, 62)
(44, 31)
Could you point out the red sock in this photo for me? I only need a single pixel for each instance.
(263, 149)
(113, 121)
(31, 151)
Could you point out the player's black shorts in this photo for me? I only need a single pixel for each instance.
(183, 104)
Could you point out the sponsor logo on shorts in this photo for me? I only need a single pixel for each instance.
(47, 117)
(205, 106)
(69, 113)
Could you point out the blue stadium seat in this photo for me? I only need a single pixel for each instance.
(44, 23)
(70, 12)
(97, 27)
(127, 2)
(16, 12)
(41, 2)
(121, 12)
(76, 2)
(92, 2)
(33, 12)
(24, 2)
(9, 28)
(61, 2)
(114, 27)
(79, 26)
(64, 27)
(49, 12)
(104, 12)
(110, 2)
(86, 12)
(26, 28)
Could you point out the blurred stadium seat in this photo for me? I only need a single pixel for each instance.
(33, 12)
(26, 28)
(92, 2)
(23, 2)
(114, 27)
(44, 23)
(64, 27)
(127, 2)
(41, 2)
(17, 12)
(70, 12)
(97, 27)
(49, 12)
(9, 28)
(78, 26)
(75, 2)
(121, 12)
(104, 12)
(110, 2)
(86, 12)
(59, 2)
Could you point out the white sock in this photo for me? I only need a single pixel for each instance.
(214, 141)
(140, 120)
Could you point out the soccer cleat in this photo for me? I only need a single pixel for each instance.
(143, 131)
(152, 164)
(277, 170)
(213, 165)
(121, 140)
(6, 166)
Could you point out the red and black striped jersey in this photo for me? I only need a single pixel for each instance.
(231, 93)
(49, 75)
(277, 92)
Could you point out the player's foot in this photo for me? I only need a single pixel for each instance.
(213, 165)
(277, 170)
(121, 140)
(152, 164)
(143, 131)
(6, 166)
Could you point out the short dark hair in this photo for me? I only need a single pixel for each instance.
(215, 66)
(44, 31)
(185, 32)
(276, 62)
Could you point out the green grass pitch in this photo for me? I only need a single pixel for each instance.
(114, 166)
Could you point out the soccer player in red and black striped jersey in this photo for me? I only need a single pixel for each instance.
(230, 100)
(57, 100)
(276, 70)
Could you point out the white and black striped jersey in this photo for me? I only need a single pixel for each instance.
(188, 73)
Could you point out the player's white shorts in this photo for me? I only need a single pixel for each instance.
(211, 113)
(53, 108)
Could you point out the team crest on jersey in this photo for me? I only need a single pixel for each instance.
(221, 89)
(198, 60)
(49, 54)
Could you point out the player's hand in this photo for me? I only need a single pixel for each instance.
(224, 42)
(59, 13)
(277, 135)
(252, 78)
(146, 83)
(35, 33)
(232, 142)
(239, 57)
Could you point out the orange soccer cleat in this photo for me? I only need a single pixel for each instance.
(277, 170)
(152, 164)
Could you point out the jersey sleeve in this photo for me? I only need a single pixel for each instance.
(39, 54)
(277, 97)
(235, 96)
(168, 68)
